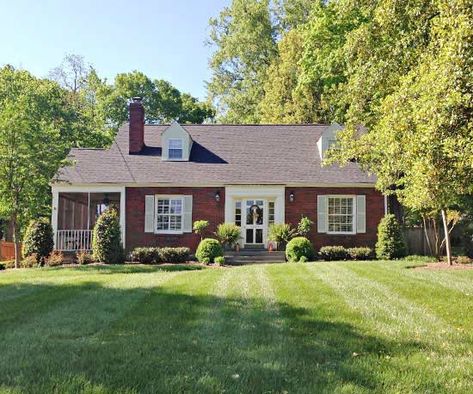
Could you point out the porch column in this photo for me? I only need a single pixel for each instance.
(54, 214)
(122, 214)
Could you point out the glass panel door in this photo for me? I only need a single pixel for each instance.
(254, 221)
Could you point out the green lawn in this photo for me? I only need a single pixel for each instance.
(317, 327)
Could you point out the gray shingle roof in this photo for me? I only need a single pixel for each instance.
(221, 154)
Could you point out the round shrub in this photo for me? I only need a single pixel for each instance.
(38, 240)
(390, 244)
(333, 253)
(208, 248)
(219, 260)
(299, 248)
(106, 241)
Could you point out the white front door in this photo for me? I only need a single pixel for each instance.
(254, 220)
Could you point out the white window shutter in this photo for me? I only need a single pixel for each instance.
(361, 214)
(322, 214)
(149, 214)
(187, 215)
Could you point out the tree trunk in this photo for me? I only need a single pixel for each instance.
(427, 237)
(16, 240)
(448, 247)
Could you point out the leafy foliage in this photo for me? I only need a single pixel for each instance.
(304, 226)
(200, 227)
(298, 248)
(208, 250)
(281, 233)
(145, 255)
(106, 241)
(333, 253)
(174, 255)
(390, 244)
(360, 253)
(228, 233)
(38, 240)
(219, 260)
(56, 258)
(83, 258)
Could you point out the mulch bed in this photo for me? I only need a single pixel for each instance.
(444, 266)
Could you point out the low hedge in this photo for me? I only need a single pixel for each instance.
(337, 252)
(360, 253)
(331, 253)
(153, 255)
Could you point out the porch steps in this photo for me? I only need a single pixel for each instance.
(251, 255)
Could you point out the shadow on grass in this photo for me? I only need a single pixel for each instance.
(87, 337)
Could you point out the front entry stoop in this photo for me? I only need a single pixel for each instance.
(252, 255)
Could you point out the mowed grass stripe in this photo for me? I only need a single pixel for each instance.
(448, 302)
(69, 329)
(321, 336)
(382, 305)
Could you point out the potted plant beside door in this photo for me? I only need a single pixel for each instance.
(228, 235)
(281, 233)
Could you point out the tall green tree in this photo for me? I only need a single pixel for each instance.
(162, 101)
(420, 138)
(285, 99)
(34, 139)
(244, 39)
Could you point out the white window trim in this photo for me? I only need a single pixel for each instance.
(353, 197)
(182, 149)
(157, 197)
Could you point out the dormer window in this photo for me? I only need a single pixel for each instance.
(175, 149)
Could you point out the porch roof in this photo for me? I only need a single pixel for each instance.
(221, 154)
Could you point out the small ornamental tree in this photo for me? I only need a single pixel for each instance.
(304, 226)
(200, 227)
(106, 242)
(390, 244)
(38, 240)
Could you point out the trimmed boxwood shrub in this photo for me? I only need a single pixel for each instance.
(106, 241)
(208, 249)
(147, 255)
(174, 255)
(390, 244)
(219, 260)
(360, 253)
(332, 253)
(299, 248)
(38, 240)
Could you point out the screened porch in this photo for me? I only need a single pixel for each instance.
(75, 214)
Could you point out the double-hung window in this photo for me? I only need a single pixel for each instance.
(175, 149)
(341, 214)
(169, 214)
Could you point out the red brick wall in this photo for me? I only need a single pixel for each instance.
(305, 203)
(204, 208)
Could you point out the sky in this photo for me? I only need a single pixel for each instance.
(165, 39)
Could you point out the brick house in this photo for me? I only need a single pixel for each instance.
(164, 177)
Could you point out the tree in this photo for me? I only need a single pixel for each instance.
(426, 119)
(38, 240)
(162, 101)
(285, 99)
(72, 73)
(245, 44)
(34, 140)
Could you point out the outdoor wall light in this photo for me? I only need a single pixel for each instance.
(291, 197)
(217, 196)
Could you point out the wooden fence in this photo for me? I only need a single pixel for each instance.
(7, 250)
(416, 242)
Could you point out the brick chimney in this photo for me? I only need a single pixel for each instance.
(137, 126)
